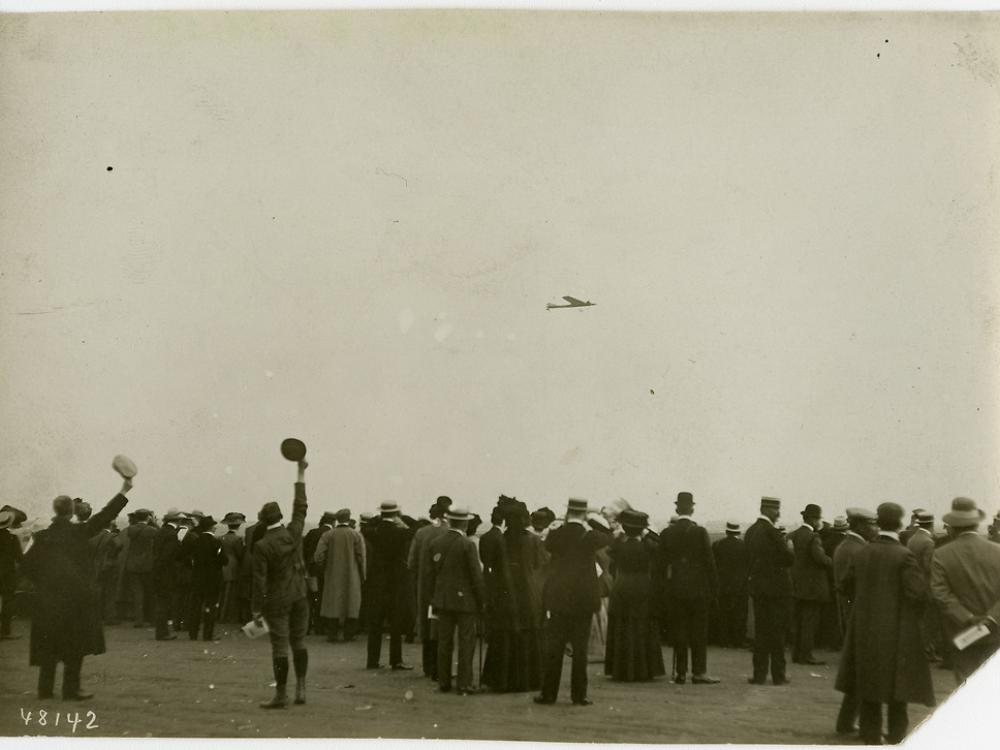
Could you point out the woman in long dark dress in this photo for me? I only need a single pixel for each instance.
(633, 652)
(514, 650)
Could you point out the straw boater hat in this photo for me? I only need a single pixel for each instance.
(770, 502)
(732, 528)
(924, 518)
(963, 514)
(388, 509)
(576, 505)
(840, 523)
(458, 513)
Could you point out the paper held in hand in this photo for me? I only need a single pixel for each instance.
(253, 630)
(969, 636)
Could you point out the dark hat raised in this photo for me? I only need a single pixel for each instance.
(293, 449)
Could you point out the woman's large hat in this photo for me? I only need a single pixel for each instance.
(293, 449)
(963, 513)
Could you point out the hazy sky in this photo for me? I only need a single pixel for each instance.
(345, 227)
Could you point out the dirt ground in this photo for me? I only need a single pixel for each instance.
(183, 688)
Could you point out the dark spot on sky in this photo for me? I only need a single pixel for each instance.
(877, 55)
(652, 391)
(110, 168)
(886, 41)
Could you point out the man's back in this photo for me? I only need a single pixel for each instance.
(809, 579)
(770, 560)
(732, 563)
(571, 586)
(278, 567)
(140, 548)
(965, 579)
(455, 580)
(687, 562)
(842, 557)
(921, 544)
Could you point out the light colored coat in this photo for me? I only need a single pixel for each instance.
(341, 551)
(965, 580)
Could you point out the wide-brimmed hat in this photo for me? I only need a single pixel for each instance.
(269, 513)
(388, 508)
(233, 517)
(732, 527)
(812, 511)
(6, 519)
(458, 513)
(963, 513)
(840, 523)
(19, 515)
(773, 503)
(577, 505)
(633, 519)
(598, 522)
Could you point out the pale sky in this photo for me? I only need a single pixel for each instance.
(345, 227)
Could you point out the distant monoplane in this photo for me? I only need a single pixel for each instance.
(573, 302)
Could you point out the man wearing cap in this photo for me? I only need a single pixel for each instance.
(921, 544)
(166, 557)
(316, 571)
(771, 590)
(861, 530)
(66, 624)
(10, 560)
(139, 564)
(390, 594)
(232, 550)
(419, 563)
(909, 531)
(732, 564)
(883, 659)
(810, 586)
(457, 597)
(571, 596)
(207, 562)
(965, 584)
(279, 591)
(340, 554)
(687, 567)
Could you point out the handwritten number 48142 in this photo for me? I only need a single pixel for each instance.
(45, 718)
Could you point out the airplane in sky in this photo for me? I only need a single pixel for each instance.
(573, 302)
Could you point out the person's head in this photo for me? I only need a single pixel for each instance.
(925, 520)
(770, 507)
(328, 518)
(389, 510)
(234, 520)
(576, 509)
(963, 516)
(633, 522)
(732, 529)
(270, 514)
(458, 518)
(206, 524)
(62, 507)
(914, 514)
(343, 516)
(840, 524)
(812, 515)
(496, 516)
(889, 516)
(598, 522)
(541, 519)
(684, 503)
(474, 523)
(862, 522)
(81, 509)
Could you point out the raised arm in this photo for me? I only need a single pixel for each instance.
(299, 505)
(103, 518)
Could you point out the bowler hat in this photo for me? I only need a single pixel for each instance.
(732, 527)
(293, 449)
(773, 503)
(388, 508)
(458, 513)
(840, 524)
(269, 513)
(576, 505)
(963, 513)
(206, 522)
(633, 519)
(889, 515)
(684, 498)
(812, 511)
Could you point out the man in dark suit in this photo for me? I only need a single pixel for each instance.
(861, 530)
(279, 591)
(139, 564)
(207, 561)
(732, 565)
(570, 597)
(457, 595)
(166, 560)
(10, 560)
(965, 584)
(233, 550)
(66, 623)
(309, 544)
(687, 568)
(490, 545)
(921, 544)
(771, 590)
(418, 562)
(810, 585)
(388, 589)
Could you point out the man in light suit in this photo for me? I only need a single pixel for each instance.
(810, 584)
(965, 583)
(457, 595)
(570, 597)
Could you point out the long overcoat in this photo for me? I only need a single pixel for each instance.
(66, 620)
(883, 659)
(341, 554)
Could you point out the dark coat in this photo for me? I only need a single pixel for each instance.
(686, 562)
(633, 594)
(883, 659)
(388, 583)
(279, 571)
(455, 579)
(733, 565)
(514, 588)
(842, 558)
(207, 561)
(571, 586)
(10, 558)
(166, 557)
(921, 544)
(770, 560)
(232, 548)
(810, 579)
(309, 544)
(67, 618)
(139, 558)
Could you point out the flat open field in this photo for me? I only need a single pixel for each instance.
(184, 688)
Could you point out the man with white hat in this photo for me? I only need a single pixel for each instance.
(389, 586)
(10, 559)
(457, 596)
(965, 583)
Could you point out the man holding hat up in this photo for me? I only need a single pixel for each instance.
(457, 595)
(570, 597)
(883, 659)
(279, 591)
(771, 589)
(965, 583)
(810, 584)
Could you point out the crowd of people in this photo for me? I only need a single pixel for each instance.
(598, 584)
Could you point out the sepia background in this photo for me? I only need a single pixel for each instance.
(220, 230)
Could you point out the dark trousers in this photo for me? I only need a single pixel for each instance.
(379, 610)
(689, 634)
(429, 646)
(770, 615)
(448, 623)
(71, 677)
(317, 623)
(204, 611)
(807, 618)
(560, 629)
(164, 609)
(140, 587)
(847, 719)
(333, 626)
(733, 619)
(6, 609)
(871, 723)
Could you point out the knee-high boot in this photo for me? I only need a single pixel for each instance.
(301, 660)
(280, 699)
